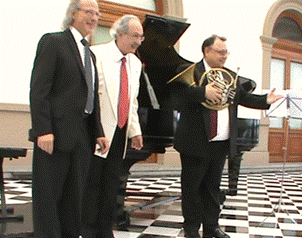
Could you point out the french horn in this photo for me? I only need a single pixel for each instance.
(222, 79)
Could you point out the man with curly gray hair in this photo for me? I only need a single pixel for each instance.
(119, 73)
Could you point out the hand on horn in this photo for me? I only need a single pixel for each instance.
(213, 94)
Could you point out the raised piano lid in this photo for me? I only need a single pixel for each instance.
(161, 33)
(159, 57)
(160, 61)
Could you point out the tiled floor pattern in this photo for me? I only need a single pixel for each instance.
(259, 209)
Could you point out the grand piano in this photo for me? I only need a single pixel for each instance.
(158, 118)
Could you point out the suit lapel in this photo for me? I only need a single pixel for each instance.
(198, 72)
(96, 77)
(131, 74)
(112, 83)
(74, 50)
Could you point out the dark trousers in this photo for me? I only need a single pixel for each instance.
(100, 200)
(200, 184)
(58, 185)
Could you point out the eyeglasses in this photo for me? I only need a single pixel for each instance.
(221, 52)
(91, 12)
(137, 36)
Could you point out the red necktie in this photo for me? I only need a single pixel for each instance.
(123, 108)
(213, 129)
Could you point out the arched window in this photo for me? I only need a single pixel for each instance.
(285, 74)
(113, 9)
(286, 65)
(144, 4)
(288, 29)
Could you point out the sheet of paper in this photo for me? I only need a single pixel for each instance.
(248, 113)
(279, 108)
(290, 106)
(295, 104)
(98, 153)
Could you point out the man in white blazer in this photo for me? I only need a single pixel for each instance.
(105, 171)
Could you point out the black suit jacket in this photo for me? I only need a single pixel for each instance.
(58, 92)
(192, 134)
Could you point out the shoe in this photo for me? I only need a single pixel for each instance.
(231, 192)
(222, 196)
(123, 221)
(218, 233)
(192, 234)
(103, 235)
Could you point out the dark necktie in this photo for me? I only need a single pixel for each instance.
(88, 77)
(213, 120)
(123, 108)
(213, 123)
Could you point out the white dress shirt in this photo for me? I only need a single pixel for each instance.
(223, 119)
(78, 37)
(109, 70)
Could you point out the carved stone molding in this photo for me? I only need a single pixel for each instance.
(112, 11)
(268, 40)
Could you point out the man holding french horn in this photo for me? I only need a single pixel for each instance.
(207, 132)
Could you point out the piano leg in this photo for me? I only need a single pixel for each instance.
(3, 202)
(4, 217)
(233, 171)
(122, 216)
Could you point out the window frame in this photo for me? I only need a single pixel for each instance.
(112, 11)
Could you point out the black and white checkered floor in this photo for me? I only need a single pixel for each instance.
(259, 209)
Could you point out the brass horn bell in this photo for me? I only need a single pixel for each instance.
(223, 80)
(185, 77)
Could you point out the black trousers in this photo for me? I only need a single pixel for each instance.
(100, 199)
(200, 185)
(58, 185)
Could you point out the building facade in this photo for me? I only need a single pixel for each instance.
(264, 40)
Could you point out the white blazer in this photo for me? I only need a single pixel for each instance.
(108, 58)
